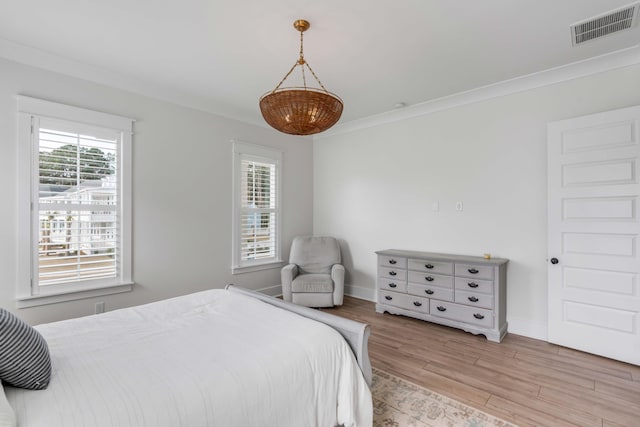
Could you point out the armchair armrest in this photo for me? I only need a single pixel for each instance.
(337, 275)
(287, 274)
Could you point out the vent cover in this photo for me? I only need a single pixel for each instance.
(603, 25)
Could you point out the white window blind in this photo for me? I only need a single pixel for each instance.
(258, 218)
(77, 203)
(256, 206)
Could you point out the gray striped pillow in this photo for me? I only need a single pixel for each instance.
(24, 355)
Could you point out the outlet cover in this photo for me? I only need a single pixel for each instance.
(99, 307)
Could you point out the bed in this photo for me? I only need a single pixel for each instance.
(228, 357)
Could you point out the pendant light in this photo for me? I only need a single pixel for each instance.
(301, 110)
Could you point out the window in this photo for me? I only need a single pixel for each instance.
(256, 207)
(75, 202)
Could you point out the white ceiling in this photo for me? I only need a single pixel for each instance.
(223, 55)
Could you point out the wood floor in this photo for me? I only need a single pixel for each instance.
(522, 380)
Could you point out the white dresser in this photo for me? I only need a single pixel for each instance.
(464, 292)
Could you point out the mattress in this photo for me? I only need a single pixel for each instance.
(212, 358)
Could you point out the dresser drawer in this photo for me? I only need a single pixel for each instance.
(474, 285)
(475, 299)
(437, 267)
(428, 291)
(430, 279)
(392, 273)
(475, 271)
(392, 261)
(408, 302)
(392, 298)
(392, 284)
(462, 313)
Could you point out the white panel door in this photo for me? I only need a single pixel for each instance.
(594, 257)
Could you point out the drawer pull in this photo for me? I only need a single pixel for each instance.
(472, 284)
(429, 292)
(388, 298)
(478, 316)
(441, 308)
(429, 279)
(417, 303)
(473, 271)
(392, 261)
(392, 273)
(429, 266)
(392, 285)
(473, 299)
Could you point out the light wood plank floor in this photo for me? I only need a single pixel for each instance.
(522, 380)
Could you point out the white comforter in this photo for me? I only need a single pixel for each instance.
(212, 358)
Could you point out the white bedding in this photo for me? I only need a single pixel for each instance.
(213, 358)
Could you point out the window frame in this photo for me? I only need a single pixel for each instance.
(266, 154)
(30, 112)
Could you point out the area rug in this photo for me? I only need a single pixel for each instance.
(399, 403)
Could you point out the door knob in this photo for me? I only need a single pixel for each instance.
(554, 261)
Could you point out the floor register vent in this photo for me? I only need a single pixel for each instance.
(612, 22)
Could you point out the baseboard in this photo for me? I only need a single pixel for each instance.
(360, 292)
(528, 328)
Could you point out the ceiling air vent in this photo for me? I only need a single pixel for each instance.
(603, 25)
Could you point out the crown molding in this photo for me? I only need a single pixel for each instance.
(47, 61)
(598, 64)
(41, 59)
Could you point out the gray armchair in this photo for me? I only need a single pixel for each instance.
(314, 276)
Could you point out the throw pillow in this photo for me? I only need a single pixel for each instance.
(24, 355)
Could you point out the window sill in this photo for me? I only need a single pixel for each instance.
(36, 300)
(257, 267)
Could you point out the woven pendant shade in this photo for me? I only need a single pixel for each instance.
(301, 110)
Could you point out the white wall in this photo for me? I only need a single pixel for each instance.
(374, 188)
(182, 161)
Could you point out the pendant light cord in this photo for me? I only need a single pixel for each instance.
(301, 62)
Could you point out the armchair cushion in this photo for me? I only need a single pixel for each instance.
(312, 283)
(315, 254)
